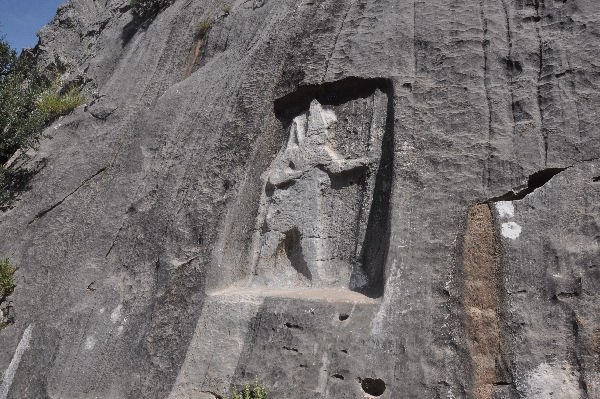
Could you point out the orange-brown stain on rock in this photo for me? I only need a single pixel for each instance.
(481, 268)
(193, 58)
(595, 347)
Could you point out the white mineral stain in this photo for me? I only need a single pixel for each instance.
(511, 230)
(377, 323)
(90, 342)
(322, 382)
(116, 314)
(505, 209)
(9, 374)
(551, 381)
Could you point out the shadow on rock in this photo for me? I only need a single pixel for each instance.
(15, 180)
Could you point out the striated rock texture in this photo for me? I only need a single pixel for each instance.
(341, 198)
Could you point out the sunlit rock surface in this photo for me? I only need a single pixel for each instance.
(339, 198)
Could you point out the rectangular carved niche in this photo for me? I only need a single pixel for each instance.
(324, 211)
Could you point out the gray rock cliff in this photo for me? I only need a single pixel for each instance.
(340, 198)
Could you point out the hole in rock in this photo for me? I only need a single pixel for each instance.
(343, 316)
(373, 386)
(513, 65)
(338, 376)
(596, 179)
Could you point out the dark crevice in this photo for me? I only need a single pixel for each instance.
(343, 316)
(577, 354)
(338, 376)
(535, 181)
(114, 241)
(596, 179)
(287, 348)
(45, 211)
(294, 326)
(562, 295)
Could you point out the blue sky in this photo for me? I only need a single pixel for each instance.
(21, 19)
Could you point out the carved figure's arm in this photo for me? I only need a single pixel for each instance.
(347, 165)
(281, 178)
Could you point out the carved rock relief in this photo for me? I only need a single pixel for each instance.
(317, 222)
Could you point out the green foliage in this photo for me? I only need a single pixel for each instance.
(20, 86)
(4, 187)
(147, 9)
(7, 283)
(257, 391)
(29, 100)
(52, 103)
(203, 28)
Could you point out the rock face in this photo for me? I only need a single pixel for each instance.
(340, 198)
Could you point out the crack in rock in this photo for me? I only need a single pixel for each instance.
(535, 181)
(83, 183)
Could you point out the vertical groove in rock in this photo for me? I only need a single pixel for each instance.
(543, 130)
(511, 64)
(481, 264)
(485, 44)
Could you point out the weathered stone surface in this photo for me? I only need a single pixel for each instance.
(455, 191)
